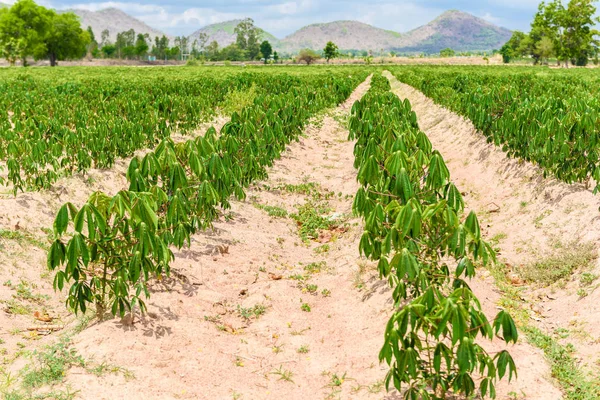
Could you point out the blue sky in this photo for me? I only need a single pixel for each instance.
(282, 17)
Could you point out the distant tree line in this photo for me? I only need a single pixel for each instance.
(563, 32)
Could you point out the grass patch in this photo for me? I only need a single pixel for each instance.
(252, 312)
(50, 365)
(576, 384)
(24, 238)
(561, 264)
(311, 220)
(272, 211)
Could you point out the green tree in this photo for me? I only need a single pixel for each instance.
(266, 50)
(248, 37)
(512, 48)
(92, 47)
(125, 44)
(212, 51)
(275, 57)
(578, 33)
(22, 30)
(330, 51)
(570, 29)
(105, 38)
(64, 39)
(109, 50)
(308, 56)
(447, 52)
(232, 53)
(141, 45)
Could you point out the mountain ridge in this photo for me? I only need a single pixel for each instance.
(455, 29)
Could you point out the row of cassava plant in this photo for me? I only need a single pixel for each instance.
(549, 118)
(55, 124)
(107, 251)
(426, 249)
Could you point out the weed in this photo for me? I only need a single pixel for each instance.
(50, 365)
(310, 288)
(315, 267)
(248, 313)
(560, 265)
(303, 349)
(277, 349)
(321, 249)
(587, 279)
(311, 220)
(23, 238)
(305, 307)
(284, 374)
(272, 211)
(326, 292)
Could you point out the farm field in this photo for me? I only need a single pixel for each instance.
(274, 230)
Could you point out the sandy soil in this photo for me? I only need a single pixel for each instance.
(532, 217)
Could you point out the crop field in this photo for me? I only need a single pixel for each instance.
(327, 232)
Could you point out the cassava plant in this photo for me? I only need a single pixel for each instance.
(111, 248)
(426, 249)
(107, 250)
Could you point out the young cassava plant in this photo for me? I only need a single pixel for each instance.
(414, 228)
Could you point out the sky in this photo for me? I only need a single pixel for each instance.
(283, 17)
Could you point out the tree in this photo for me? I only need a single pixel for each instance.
(64, 39)
(248, 37)
(447, 52)
(266, 50)
(275, 57)
(105, 38)
(141, 45)
(570, 29)
(125, 44)
(92, 47)
(330, 51)
(308, 56)
(202, 40)
(212, 51)
(578, 35)
(22, 30)
(512, 48)
(109, 50)
(232, 53)
(544, 49)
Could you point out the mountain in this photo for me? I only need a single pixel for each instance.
(115, 21)
(224, 34)
(347, 35)
(457, 30)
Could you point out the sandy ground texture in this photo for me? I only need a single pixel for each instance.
(532, 220)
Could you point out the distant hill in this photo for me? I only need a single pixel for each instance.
(224, 34)
(457, 30)
(347, 35)
(115, 21)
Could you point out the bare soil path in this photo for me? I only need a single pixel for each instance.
(532, 220)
